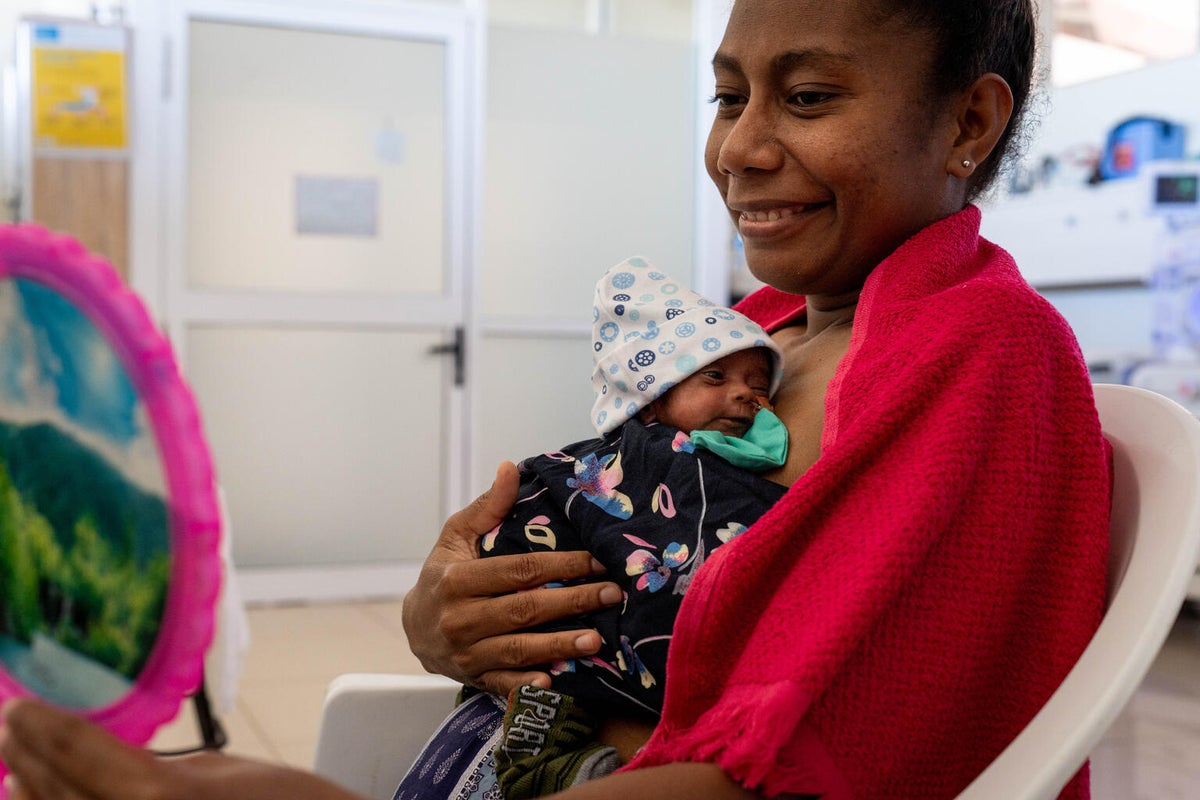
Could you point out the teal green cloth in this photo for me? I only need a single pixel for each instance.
(764, 446)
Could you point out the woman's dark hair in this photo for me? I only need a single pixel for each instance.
(972, 38)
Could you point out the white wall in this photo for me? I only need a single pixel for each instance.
(12, 10)
(1082, 114)
(588, 160)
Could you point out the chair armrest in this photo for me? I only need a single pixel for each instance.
(374, 726)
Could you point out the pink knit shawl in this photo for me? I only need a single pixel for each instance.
(892, 622)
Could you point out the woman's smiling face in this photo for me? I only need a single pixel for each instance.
(829, 147)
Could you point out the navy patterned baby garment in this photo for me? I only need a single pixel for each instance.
(650, 507)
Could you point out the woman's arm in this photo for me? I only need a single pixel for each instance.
(678, 781)
(464, 615)
(56, 755)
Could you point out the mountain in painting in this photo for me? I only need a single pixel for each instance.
(65, 481)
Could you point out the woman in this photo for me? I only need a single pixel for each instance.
(938, 563)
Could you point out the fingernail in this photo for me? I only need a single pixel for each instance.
(597, 567)
(610, 595)
(587, 642)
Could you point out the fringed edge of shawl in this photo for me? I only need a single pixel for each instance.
(745, 734)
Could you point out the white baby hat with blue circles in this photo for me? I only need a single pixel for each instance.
(649, 332)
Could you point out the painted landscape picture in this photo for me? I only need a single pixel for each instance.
(84, 524)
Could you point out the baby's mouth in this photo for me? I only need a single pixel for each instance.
(734, 426)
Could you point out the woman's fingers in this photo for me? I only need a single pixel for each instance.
(511, 613)
(461, 601)
(521, 649)
(55, 754)
(431, 599)
(485, 636)
(503, 575)
(463, 529)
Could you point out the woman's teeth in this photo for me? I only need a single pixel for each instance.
(770, 216)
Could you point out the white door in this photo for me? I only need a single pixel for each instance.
(318, 221)
(592, 110)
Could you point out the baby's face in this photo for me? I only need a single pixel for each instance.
(723, 396)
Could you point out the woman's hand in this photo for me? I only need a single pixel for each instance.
(55, 755)
(462, 616)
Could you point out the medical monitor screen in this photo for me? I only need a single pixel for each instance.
(1176, 190)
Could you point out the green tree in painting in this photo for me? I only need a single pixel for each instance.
(28, 555)
(114, 607)
(93, 598)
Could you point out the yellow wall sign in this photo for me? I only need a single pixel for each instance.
(79, 98)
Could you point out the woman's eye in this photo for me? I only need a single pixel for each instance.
(726, 99)
(809, 99)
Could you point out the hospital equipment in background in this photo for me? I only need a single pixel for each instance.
(1138, 141)
(1139, 230)
(1173, 189)
(1080, 217)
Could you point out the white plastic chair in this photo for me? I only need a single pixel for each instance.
(374, 726)
(1154, 544)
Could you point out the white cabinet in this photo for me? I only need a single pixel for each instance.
(1073, 235)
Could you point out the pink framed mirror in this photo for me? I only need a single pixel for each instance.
(109, 520)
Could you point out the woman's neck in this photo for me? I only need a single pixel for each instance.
(823, 313)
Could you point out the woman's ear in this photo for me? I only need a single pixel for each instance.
(982, 117)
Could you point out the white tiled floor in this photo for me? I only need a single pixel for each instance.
(1151, 753)
(295, 651)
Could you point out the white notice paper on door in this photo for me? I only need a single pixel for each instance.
(337, 206)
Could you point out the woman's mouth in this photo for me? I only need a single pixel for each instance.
(772, 215)
(768, 221)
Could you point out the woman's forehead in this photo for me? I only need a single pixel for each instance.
(849, 23)
(797, 34)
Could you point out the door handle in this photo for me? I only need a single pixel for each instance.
(456, 348)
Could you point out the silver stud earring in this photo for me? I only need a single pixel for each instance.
(966, 163)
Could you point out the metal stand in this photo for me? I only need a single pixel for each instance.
(212, 733)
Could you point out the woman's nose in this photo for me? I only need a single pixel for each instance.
(749, 144)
